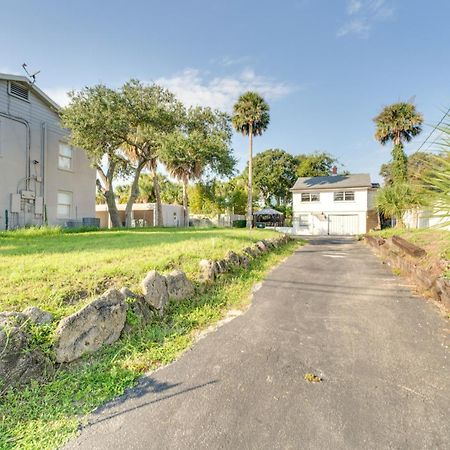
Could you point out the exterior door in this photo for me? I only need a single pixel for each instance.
(345, 224)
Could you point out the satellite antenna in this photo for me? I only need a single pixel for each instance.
(32, 77)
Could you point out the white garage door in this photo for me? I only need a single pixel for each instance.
(342, 224)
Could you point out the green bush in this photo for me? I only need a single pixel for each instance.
(241, 223)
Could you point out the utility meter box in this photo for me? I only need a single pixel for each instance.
(39, 206)
(15, 203)
(28, 195)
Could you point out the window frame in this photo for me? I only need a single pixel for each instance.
(344, 196)
(69, 205)
(303, 221)
(65, 157)
(310, 197)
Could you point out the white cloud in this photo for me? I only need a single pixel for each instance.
(194, 88)
(227, 61)
(354, 6)
(362, 15)
(358, 27)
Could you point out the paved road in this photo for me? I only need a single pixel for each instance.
(331, 309)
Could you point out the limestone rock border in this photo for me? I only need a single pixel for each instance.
(210, 269)
(104, 320)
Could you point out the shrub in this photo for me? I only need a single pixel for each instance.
(241, 223)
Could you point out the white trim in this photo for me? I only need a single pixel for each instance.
(53, 105)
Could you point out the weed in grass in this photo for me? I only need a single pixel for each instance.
(312, 378)
(45, 416)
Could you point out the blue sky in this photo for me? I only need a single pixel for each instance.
(325, 67)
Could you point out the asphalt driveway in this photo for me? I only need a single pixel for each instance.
(332, 310)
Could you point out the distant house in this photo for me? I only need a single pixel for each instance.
(143, 215)
(43, 179)
(334, 205)
(425, 219)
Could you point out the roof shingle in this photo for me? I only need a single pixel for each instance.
(330, 182)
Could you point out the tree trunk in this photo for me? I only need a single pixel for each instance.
(134, 192)
(112, 209)
(250, 178)
(185, 201)
(105, 185)
(156, 188)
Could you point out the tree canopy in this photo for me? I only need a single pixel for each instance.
(398, 123)
(417, 164)
(275, 172)
(251, 114)
(201, 144)
(317, 164)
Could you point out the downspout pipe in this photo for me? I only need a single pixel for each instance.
(28, 145)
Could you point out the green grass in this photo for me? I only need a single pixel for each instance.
(60, 271)
(45, 416)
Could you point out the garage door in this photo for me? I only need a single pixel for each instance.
(342, 224)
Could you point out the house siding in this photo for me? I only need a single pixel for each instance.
(45, 135)
(314, 217)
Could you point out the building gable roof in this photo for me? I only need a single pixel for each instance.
(38, 92)
(357, 180)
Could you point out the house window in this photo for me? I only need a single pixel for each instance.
(303, 221)
(64, 205)
(344, 196)
(310, 197)
(65, 157)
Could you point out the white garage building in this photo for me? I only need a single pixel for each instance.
(334, 205)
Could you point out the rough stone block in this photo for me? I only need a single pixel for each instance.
(232, 259)
(178, 285)
(208, 270)
(19, 364)
(97, 324)
(37, 315)
(154, 287)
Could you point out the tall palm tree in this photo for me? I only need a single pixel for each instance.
(201, 144)
(251, 118)
(398, 123)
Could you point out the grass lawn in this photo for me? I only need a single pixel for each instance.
(60, 271)
(45, 416)
(434, 241)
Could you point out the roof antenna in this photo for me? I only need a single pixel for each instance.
(32, 77)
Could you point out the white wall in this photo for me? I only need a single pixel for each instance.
(173, 215)
(425, 219)
(318, 212)
(45, 135)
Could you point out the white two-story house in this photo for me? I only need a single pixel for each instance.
(334, 205)
(43, 179)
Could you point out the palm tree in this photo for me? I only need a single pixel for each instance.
(395, 200)
(436, 180)
(201, 144)
(398, 123)
(251, 118)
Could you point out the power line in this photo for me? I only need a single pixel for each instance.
(432, 131)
